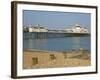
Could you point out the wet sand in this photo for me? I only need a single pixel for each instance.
(51, 59)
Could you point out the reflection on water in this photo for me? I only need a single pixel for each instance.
(58, 44)
(76, 43)
(35, 43)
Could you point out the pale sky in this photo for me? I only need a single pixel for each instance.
(56, 20)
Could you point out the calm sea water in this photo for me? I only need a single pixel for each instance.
(57, 44)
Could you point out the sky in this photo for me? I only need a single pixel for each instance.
(56, 20)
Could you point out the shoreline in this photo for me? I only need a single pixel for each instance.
(53, 59)
(67, 51)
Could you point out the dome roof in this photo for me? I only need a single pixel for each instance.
(77, 25)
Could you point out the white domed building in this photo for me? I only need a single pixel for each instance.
(78, 29)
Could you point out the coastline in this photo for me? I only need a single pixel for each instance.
(52, 59)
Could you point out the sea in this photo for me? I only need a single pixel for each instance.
(57, 44)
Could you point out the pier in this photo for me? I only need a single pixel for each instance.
(40, 32)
